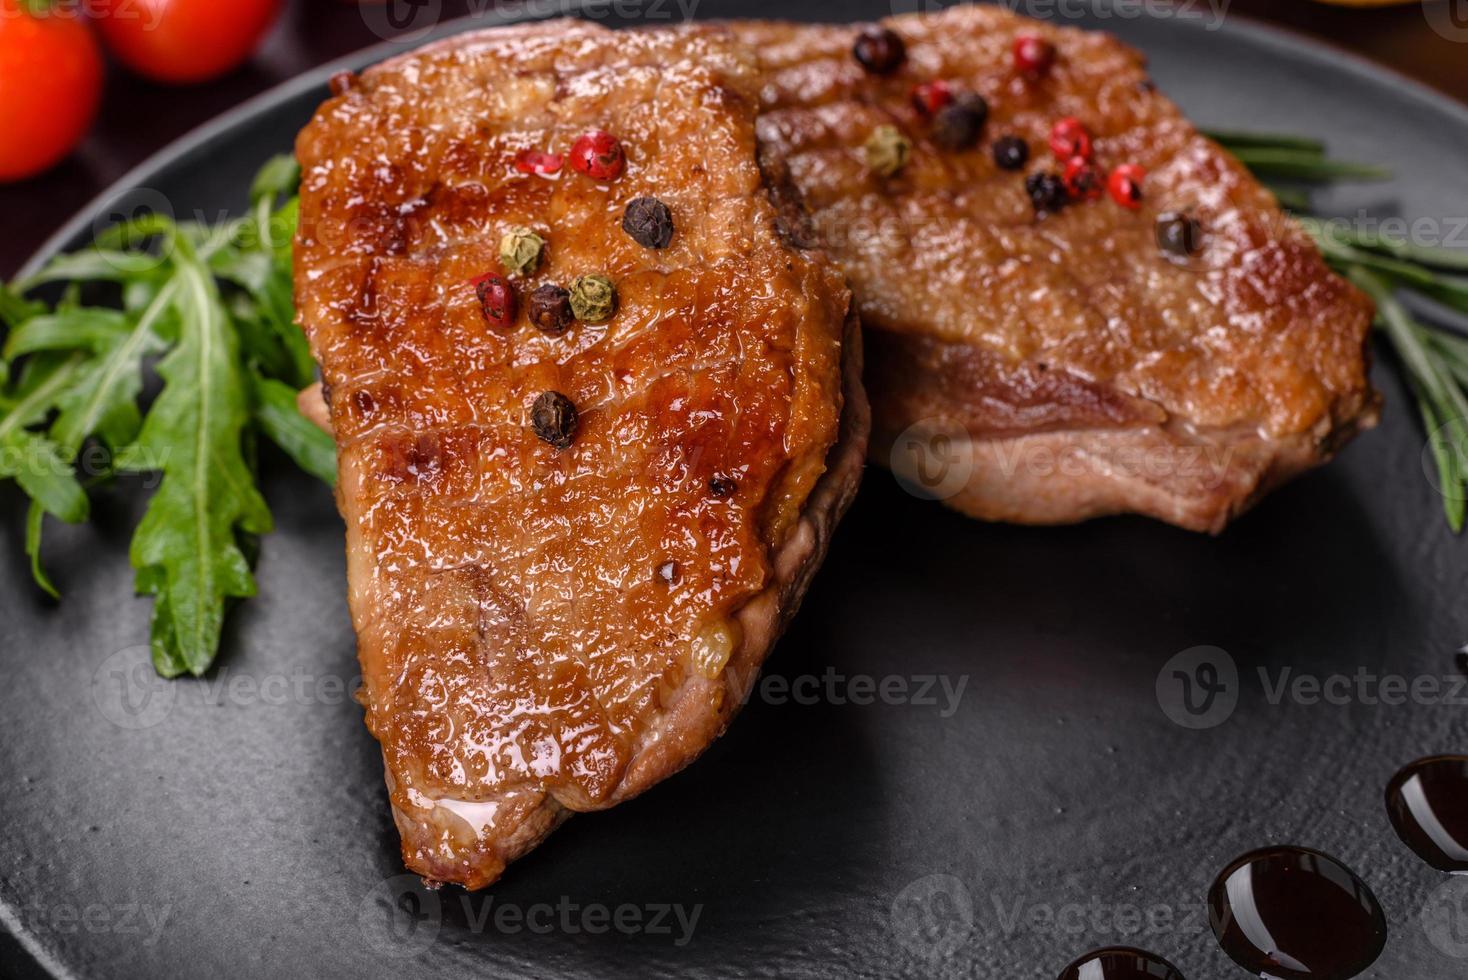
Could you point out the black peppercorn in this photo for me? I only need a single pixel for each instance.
(553, 417)
(550, 309)
(879, 50)
(957, 125)
(722, 486)
(1178, 234)
(649, 222)
(1011, 152)
(1047, 192)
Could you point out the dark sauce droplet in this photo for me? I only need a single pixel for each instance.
(1296, 914)
(1121, 963)
(1428, 805)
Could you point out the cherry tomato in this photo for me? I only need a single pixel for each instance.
(182, 41)
(50, 85)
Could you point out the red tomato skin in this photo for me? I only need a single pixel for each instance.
(50, 86)
(181, 42)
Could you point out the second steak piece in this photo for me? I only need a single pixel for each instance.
(1038, 352)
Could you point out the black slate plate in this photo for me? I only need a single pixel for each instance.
(1055, 809)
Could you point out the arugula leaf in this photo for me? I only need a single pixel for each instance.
(281, 420)
(38, 465)
(33, 516)
(77, 329)
(104, 400)
(44, 473)
(280, 175)
(94, 265)
(42, 382)
(186, 549)
(15, 309)
(216, 301)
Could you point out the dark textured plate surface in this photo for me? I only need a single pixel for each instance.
(236, 826)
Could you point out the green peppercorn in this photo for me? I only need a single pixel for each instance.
(887, 150)
(521, 250)
(593, 298)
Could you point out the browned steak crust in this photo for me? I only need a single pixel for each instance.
(545, 630)
(1071, 333)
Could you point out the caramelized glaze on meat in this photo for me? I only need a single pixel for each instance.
(1071, 334)
(545, 631)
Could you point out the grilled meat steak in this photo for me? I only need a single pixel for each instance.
(579, 510)
(1052, 367)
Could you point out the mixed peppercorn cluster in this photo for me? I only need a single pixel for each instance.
(957, 121)
(590, 298)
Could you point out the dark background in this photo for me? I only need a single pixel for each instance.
(139, 117)
(261, 827)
